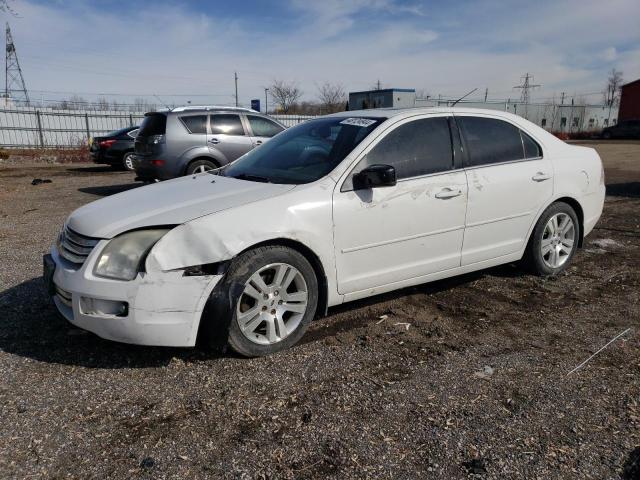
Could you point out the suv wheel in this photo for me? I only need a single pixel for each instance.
(200, 166)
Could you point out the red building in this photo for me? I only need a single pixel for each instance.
(630, 102)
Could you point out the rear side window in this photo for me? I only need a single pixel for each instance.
(262, 127)
(227, 124)
(531, 147)
(195, 123)
(416, 148)
(154, 124)
(134, 133)
(490, 140)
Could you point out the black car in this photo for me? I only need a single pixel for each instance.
(624, 129)
(115, 148)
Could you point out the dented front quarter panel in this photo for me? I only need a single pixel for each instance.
(303, 215)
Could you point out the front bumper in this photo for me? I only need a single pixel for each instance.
(163, 308)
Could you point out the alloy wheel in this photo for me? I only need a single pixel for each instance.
(557, 240)
(272, 304)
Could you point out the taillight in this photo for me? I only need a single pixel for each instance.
(106, 143)
(157, 139)
(157, 163)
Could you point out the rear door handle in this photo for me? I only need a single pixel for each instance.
(258, 142)
(540, 177)
(215, 141)
(448, 192)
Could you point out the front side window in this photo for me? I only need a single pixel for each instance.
(304, 153)
(490, 140)
(195, 123)
(262, 127)
(226, 124)
(420, 147)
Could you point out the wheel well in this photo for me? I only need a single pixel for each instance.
(573, 203)
(208, 159)
(313, 260)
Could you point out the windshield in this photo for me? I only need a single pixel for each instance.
(304, 153)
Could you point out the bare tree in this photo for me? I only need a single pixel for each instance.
(284, 94)
(5, 7)
(614, 84)
(332, 97)
(103, 104)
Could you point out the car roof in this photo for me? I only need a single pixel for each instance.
(206, 108)
(408, 112)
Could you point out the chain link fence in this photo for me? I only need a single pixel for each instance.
(24, 127)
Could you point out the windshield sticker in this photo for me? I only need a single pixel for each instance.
(358, 122)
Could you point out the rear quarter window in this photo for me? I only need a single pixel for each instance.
(195, 123)
(154, 124)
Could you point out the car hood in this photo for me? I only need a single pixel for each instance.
(168, 203)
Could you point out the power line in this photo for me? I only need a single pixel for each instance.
(527, 85)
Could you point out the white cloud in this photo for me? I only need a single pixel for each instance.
(72, 47)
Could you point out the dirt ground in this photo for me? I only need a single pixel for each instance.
(458, 378)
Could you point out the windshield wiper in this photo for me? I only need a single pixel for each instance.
(252, 178)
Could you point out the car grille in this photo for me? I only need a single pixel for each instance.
(75, 247)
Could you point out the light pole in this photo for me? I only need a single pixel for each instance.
(266, 105)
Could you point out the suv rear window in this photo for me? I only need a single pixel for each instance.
(154, 124)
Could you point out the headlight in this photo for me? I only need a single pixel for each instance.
(121, 259)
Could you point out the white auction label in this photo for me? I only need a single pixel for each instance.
(358, 122)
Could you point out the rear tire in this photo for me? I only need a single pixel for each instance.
(200, 166)
(264, 303)
(554, 240)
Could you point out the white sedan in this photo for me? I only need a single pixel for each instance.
(335, 209)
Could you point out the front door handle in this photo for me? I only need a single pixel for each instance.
(215, 141)
(540, 177)
(448, 193)
(258, 142)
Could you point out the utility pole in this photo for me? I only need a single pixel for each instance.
(266, 105)
(486, 93)
(14, 86)
(235, 74)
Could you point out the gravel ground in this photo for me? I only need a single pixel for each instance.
(454, 379)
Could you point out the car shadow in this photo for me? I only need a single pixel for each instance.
(334, 325)
(106, 190)
(96, 169)
(628, 189)
(31, 327)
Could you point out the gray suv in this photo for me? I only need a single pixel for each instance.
(187, 140)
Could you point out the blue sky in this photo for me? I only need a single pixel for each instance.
(190, 49)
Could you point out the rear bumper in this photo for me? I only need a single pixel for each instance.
(106, 157)
(147, 172)
(593, 204)
(163, 308)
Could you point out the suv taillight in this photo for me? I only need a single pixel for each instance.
(106, 143)
(157, 139)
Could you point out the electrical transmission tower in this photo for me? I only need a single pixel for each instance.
(527, 85)
(14, 86)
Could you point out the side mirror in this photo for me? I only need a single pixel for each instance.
(375, 176)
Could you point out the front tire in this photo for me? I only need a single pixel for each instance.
(554, 240)
(270, 296)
